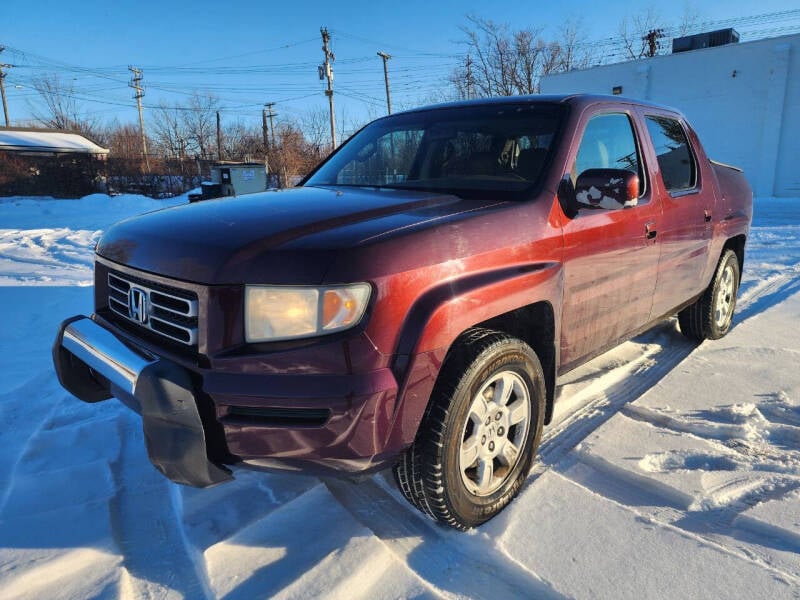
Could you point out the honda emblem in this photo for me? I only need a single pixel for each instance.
(137, 305)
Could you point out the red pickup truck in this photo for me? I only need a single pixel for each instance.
(412, 302)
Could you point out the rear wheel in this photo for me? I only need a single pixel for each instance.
(478, 437)
(711, 316)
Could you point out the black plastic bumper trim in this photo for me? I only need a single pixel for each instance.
(91, 361)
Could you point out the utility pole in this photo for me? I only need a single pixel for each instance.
(326, 72)
(3, 86)
(469, 77)
(386, 58)
(651, 39)
(219, 139)
(136, 84)
(264, 130)
(271, 114)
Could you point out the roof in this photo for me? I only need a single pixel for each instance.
(46, 140)
(577, 100)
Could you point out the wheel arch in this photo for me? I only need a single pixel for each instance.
(514, 300)
(536, 326)
(736, 243)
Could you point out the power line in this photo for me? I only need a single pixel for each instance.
(242, 87)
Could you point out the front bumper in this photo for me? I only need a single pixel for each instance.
(94, 364)
(249, 413)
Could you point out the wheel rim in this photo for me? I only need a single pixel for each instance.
(494, 433)
(723, 307)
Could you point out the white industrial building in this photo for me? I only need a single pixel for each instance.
(742, 98)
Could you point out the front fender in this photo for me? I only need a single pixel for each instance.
(442, 314)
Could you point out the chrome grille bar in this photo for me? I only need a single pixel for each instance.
(172, 314)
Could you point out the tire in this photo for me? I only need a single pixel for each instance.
(711, 316)
(480, 432)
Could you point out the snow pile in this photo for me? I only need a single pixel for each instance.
(48, 241)
(671, 470)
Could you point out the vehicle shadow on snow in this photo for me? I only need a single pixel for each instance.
(600, 403)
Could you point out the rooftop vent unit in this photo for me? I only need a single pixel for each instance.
(708, 39)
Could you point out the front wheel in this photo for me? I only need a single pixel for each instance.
(711, 316)
(478, 437)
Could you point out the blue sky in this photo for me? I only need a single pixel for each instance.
(249, 53)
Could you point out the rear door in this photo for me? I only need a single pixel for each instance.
(688, 203)
(610, 255)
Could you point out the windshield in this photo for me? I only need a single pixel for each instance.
(491, 148)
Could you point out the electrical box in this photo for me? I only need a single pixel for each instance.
(236, 179)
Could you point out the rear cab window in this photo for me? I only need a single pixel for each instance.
(676, 161)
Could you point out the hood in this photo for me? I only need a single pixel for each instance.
(289, 237)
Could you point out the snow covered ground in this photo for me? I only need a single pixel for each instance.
(671, 470)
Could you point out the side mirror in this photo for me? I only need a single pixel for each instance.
(607, 188)
(566, 197)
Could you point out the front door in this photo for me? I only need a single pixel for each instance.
(610, 254)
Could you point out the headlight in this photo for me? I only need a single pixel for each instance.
(283, 313)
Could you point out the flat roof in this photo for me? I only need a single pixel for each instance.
(14, 139)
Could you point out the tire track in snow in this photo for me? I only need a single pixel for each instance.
(630, 381)
(778, 467)
(453, 563)
(147, 526)
(766, 293)
(619, 387)
(721, 521)
(30, 428)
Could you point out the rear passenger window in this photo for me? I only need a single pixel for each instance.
(678, 168)
(608, 143)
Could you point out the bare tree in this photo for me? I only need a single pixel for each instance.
(199, 121)
(504, 62)
(242, 142)
(170, 132)
(646, 34)
(315, 125)
(293, 156)
(124, 141)
(62, 109)
(527, 52)
(575, 51)
(494, 69)
(690, 18)
(640, 34)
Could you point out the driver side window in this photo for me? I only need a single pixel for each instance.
(608, 143)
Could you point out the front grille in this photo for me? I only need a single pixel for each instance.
(167, 311)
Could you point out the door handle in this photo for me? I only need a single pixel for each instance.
(650, 231)
(707, 215)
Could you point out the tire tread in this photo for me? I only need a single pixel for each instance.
(696, 321)
(419, 472)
